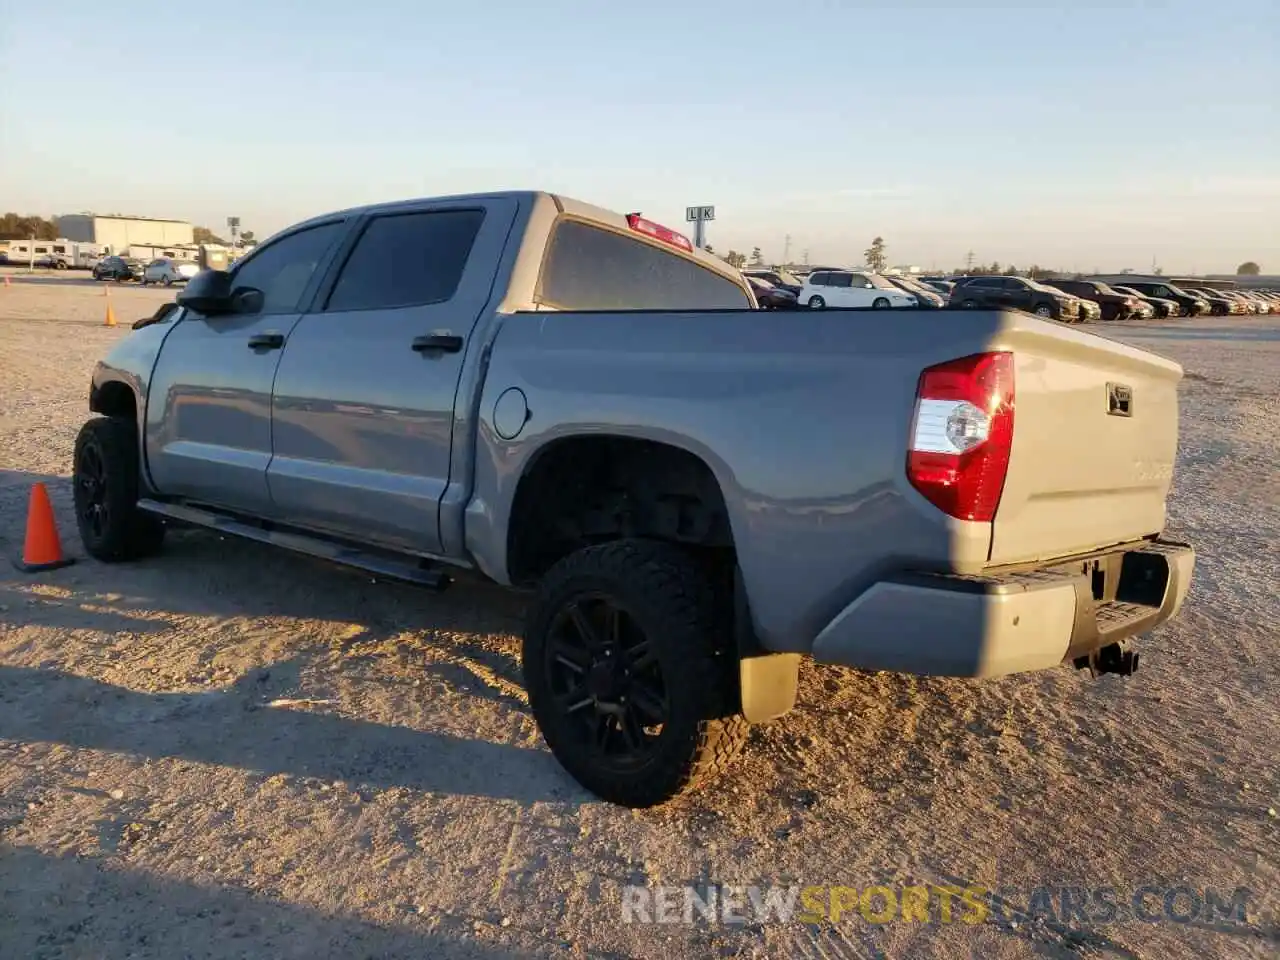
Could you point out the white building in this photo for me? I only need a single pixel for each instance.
(120, 233)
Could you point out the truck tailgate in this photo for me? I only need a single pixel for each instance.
(1094, 441)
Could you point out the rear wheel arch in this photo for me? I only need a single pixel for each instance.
(582, 490)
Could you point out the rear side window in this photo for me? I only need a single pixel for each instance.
(819, 279)
(407, 259)
(588, 268)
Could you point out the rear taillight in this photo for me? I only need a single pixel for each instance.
(962, 434)
(658, 231)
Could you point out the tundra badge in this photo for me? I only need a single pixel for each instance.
(1119, 400)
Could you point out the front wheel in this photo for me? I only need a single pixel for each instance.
(105, 488)
(816, 303)
(880, 303)
(626, 674)
(968, 304)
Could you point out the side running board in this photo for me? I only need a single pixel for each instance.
(407, 569)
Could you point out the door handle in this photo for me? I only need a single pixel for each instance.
(268, 341)
(442, 342)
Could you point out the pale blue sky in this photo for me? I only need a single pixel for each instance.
(1078, 135)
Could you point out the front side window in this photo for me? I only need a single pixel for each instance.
(406, 259)
(283, 269)
(591, 268)
(842, 280)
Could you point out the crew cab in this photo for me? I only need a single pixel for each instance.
(696, 492)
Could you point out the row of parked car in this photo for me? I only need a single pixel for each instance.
(162, 270)
(1069, 301)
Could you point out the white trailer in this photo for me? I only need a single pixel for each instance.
(59, 254)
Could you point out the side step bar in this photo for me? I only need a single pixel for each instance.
(406, 569)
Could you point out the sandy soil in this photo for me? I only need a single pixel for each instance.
(229, 752)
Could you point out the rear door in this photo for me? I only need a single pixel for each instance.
(840, 290)
(363, 405)
(209, 402)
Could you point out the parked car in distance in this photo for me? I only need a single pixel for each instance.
(1192, 304)
(1115, 305)
(168, 271)
(1219, 304)
(770, 297)
(1163, 308)
(778, 278)
(1016, 292)
(844, 288)
(455, 386)
(1261, 302)
(118, 268)
(926, 297)
(942, 287)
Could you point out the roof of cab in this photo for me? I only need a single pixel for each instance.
(564, 204)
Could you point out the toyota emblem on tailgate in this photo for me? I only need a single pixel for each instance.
(1119, 400)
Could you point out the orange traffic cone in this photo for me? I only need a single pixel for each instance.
(111, 314)
(42, 549)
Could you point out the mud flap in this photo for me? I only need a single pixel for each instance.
(767, 682)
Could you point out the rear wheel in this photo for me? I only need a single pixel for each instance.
(968, 304)
(1044, 310)
(628, 676)
(880, 303)
(105, 488)
(816, 303)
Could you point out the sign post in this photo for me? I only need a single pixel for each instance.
(698, 216)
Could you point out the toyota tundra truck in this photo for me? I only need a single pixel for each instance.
(696, 493)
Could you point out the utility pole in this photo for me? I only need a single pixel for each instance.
(806, 258)
(786, 249)
(968, 261)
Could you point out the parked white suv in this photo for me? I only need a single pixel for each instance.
(168, 271)
(843, 288)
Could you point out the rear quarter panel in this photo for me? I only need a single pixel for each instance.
(803, 419)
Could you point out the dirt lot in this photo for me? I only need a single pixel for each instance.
(229, 752)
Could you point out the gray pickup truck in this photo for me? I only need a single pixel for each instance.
(697, 492)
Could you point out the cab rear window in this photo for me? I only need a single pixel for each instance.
(588, 268)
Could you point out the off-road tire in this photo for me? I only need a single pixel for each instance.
(671, 599)
(124, 532)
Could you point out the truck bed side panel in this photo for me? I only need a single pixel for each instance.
(803, 419)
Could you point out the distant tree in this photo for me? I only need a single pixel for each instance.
(1248, 269)
(708, 248)
(205, 235)
(1159, 271)
(875, 256)
(15, 226)
(1011, 270)
(995, 267)
(736, 259)
(756, 255)
(248, 235)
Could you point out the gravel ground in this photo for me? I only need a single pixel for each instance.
(229, 752)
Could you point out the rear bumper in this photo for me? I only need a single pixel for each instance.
(988, 626)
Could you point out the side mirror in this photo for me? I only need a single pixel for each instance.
(208, 292)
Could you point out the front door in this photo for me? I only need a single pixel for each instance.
(209, 407)
(862, 292)
(364, 398)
